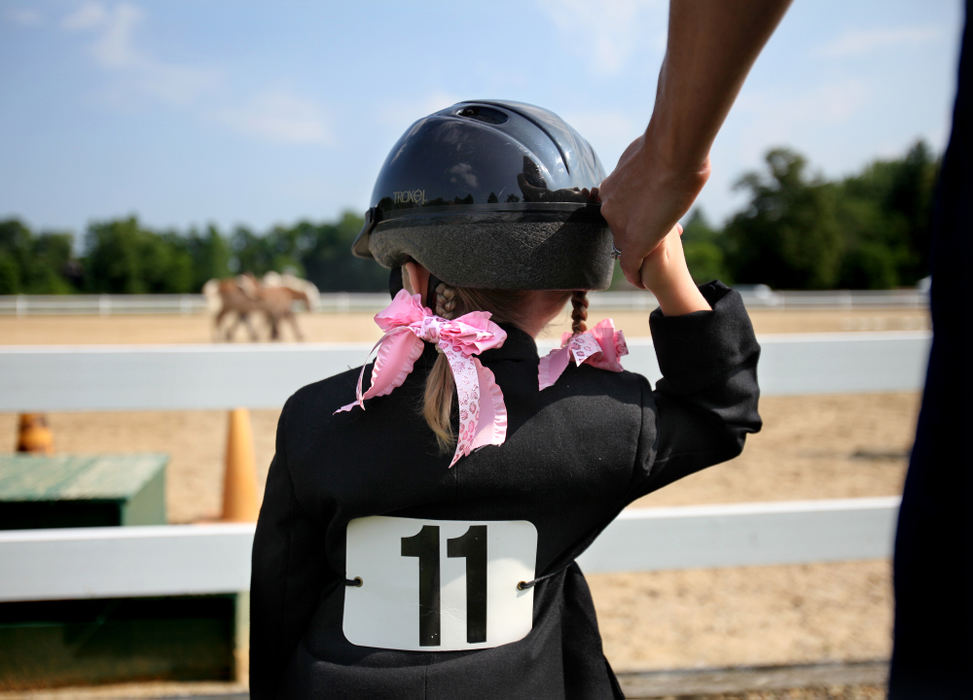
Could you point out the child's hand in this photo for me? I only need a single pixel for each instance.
(665, 259)
(665, 274)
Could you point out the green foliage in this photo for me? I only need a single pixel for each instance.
(797, 231)
(789, 236)
(32, 264)
(885, 211)
(704, 255)
(329, 262)
(9, 274)
(868, 231)
(210, 254)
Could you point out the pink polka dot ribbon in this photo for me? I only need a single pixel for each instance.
(601, 347)
(406, 324)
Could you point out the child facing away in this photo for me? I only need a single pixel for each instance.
(423, 513)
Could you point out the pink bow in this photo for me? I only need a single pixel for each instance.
(407, 323)
(600, 347)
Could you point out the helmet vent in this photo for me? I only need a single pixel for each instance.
(488, 115)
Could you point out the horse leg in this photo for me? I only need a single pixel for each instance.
(228, 334)
(274, 322)
(297, 331)
(217, 320)
(253, 331)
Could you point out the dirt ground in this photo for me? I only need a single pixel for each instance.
(811, 447)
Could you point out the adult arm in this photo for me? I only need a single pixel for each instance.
(711, 46)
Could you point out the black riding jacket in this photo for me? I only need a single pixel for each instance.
(575, 455)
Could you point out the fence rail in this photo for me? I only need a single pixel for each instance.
(182, 559)
(173, 377)
(106, 562)
(127, 304)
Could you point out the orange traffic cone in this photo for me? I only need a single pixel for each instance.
(240, 474)
(34, 434)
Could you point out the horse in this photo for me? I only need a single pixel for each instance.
(272, 297)
(278, 293)
(233, 295)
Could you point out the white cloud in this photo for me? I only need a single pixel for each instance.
(116, 48)
(865, 41)
(282, 117)
(607, 32)
(87, 16)
(24, 16)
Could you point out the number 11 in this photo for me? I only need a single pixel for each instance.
(471, 545)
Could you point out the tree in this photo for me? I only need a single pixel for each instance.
(789, 235)
(211, 256)
(885, 210)
(51, 264)
(15, 240)
(704, 253)
(328, 259)
(249, 253)
(123, 258)
(112, 257)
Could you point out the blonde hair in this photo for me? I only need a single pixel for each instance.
(505, 305)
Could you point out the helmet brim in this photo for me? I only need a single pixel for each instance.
(570, 250)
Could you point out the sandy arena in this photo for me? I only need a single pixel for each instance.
(811, 447)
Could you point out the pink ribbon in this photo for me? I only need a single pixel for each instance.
(407, 323)
(601, 347)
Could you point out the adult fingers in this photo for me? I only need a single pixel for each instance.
(631, 264)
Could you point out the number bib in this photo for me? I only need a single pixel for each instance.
(438, 585)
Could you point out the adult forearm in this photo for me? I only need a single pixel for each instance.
(711, 47)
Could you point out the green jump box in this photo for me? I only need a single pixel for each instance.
(82, 490)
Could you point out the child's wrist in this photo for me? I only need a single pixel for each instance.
(678, 295)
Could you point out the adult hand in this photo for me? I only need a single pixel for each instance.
(644, 198)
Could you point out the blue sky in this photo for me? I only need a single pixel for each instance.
(238, 112)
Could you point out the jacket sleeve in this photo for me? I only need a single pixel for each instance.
(287, 575)
(706, 402)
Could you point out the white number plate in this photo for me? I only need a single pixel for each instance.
(438, 585)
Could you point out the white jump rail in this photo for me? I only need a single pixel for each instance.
(197, 559)
(182, 377)
(162, 560)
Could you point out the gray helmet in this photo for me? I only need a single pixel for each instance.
(488, 194)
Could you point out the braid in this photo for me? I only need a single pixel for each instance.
(579, 312)
(445, 300)
(437, 404)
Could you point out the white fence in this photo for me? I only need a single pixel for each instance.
(109, 562)
(121, 304)
(174, 377)
(164, 560)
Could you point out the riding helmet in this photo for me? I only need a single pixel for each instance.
(488, 194)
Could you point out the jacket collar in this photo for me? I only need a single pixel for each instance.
(518, 346)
